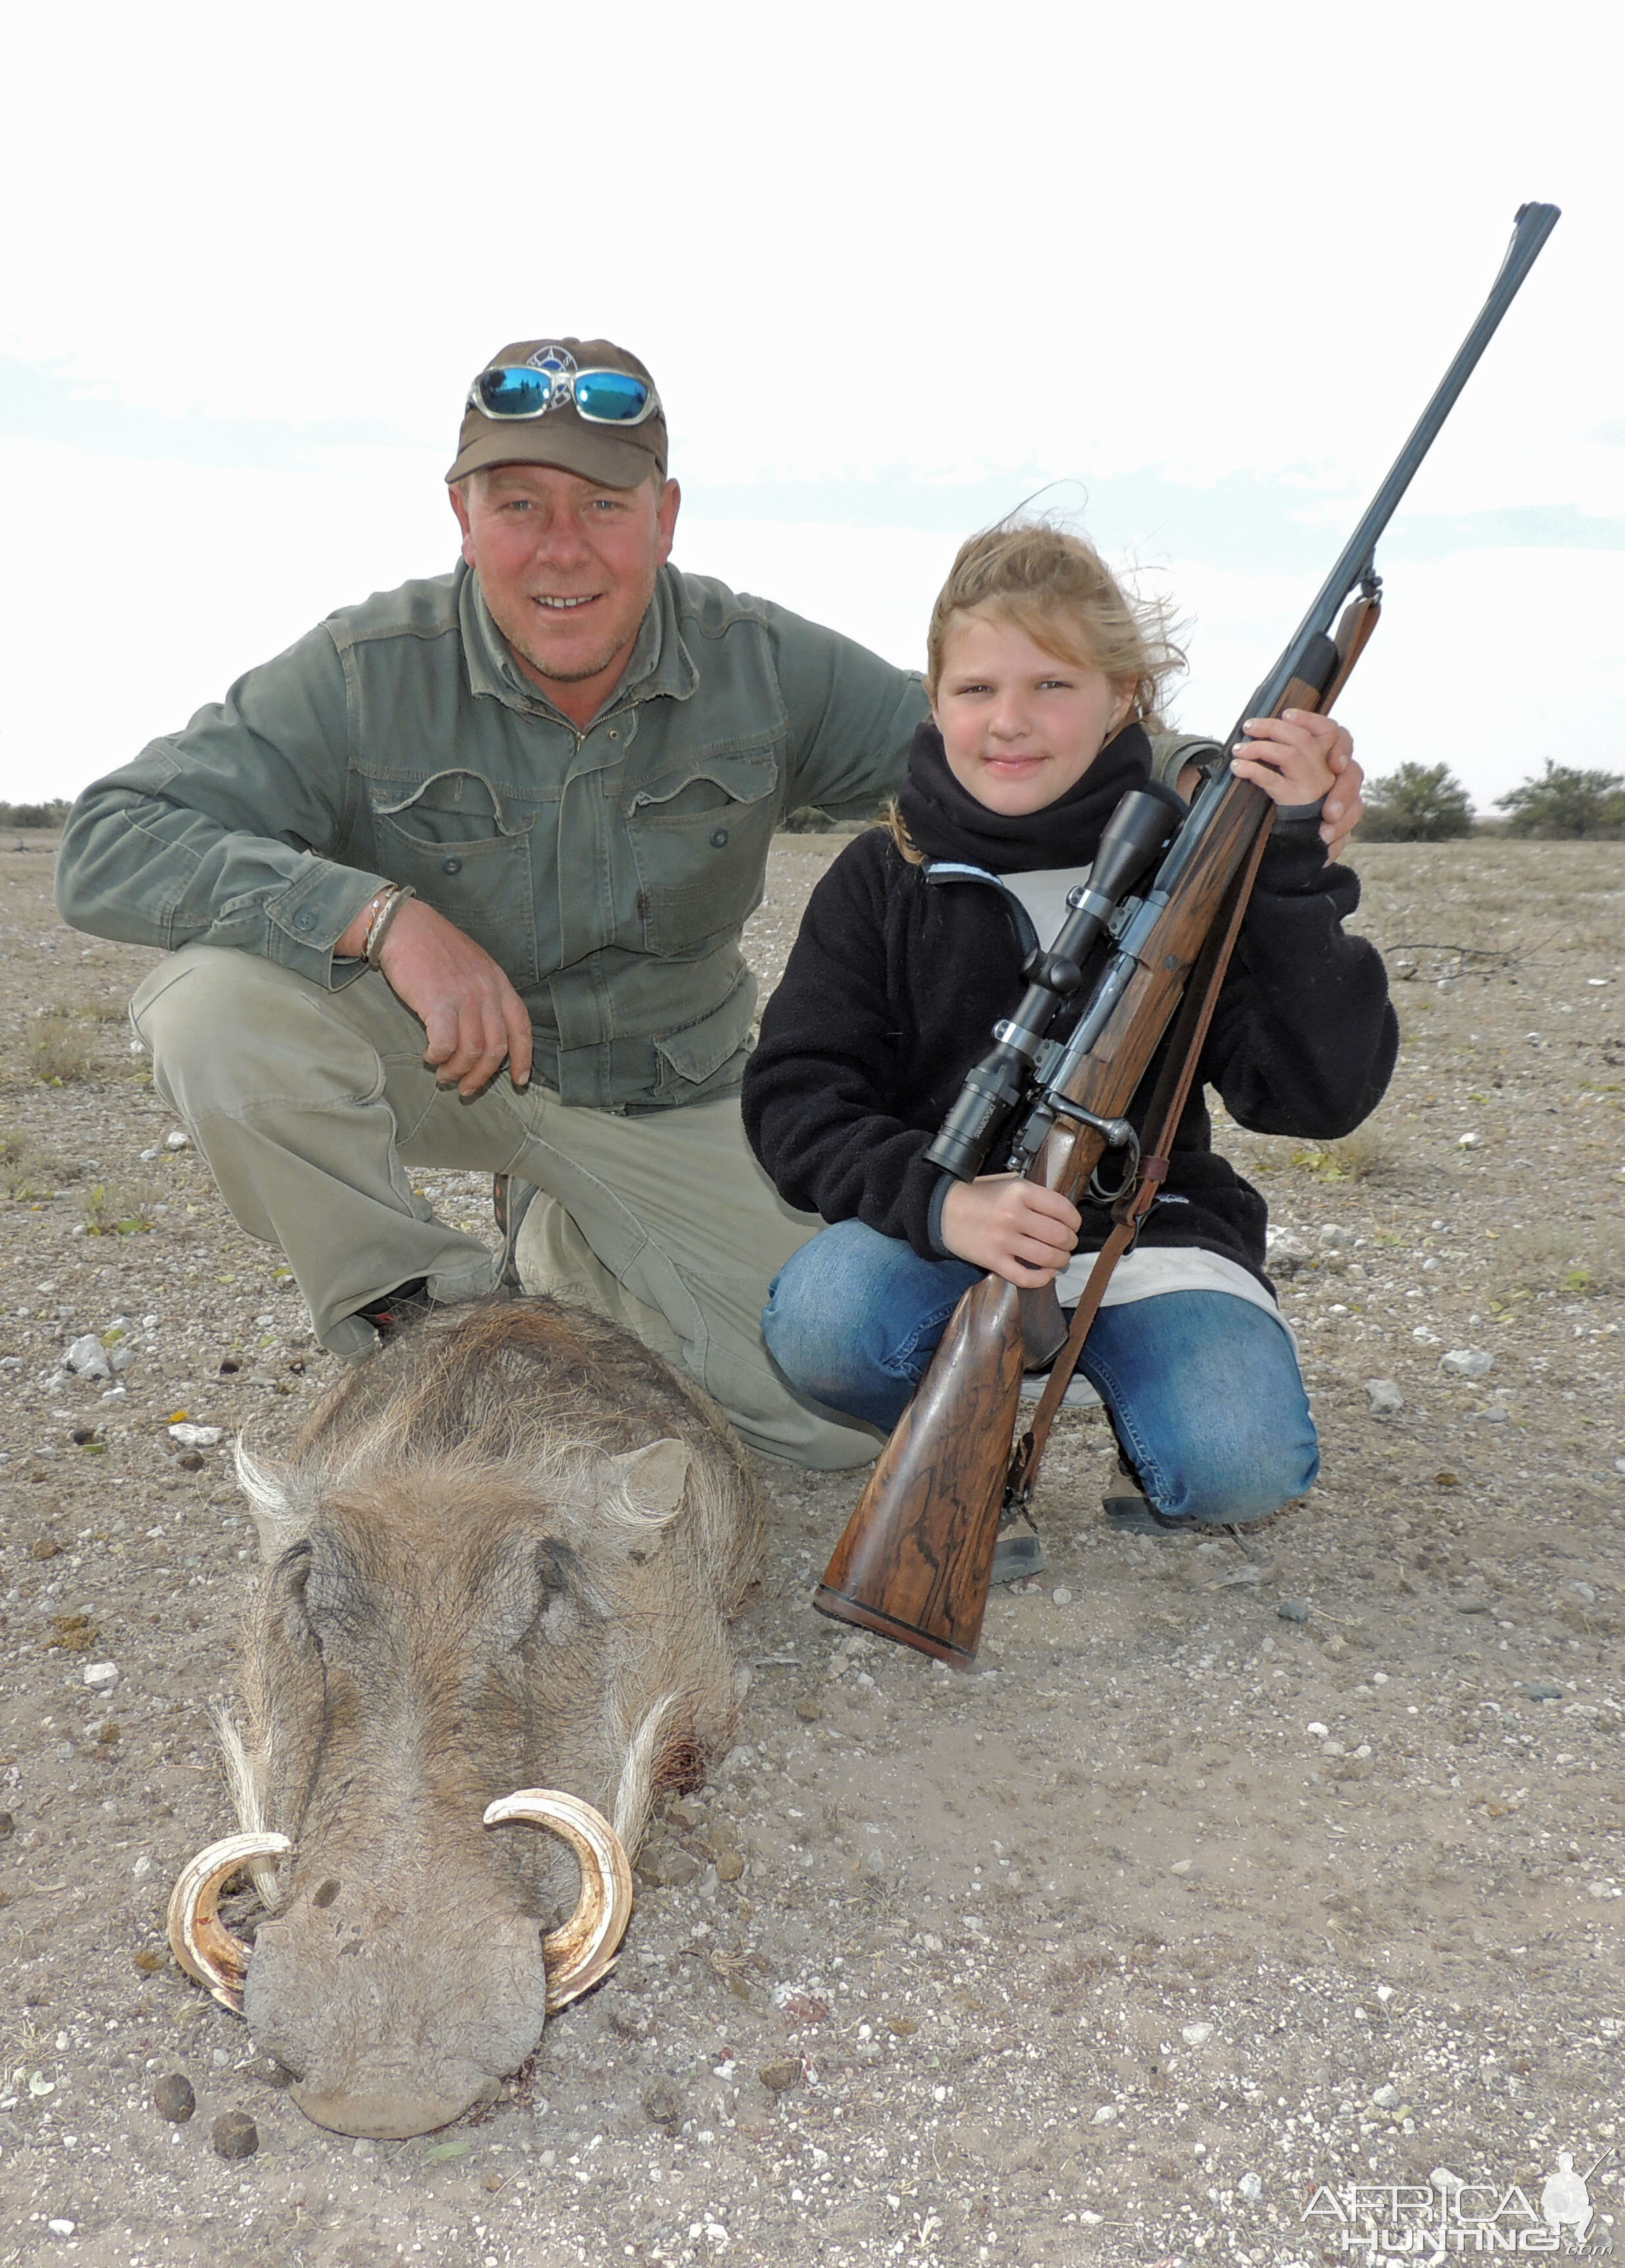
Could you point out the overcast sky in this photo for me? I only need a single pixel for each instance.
(894, 267)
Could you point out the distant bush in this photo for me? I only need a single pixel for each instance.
(34, 814)
(1419, 803)
(1567, 806)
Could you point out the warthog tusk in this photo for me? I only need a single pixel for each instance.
(199, 1939)
(579, 1953)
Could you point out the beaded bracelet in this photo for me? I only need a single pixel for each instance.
(393, 901)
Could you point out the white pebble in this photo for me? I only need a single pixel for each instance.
(101, 1675)
(1318, 1731)
(177, 1138)
(62, 2227)
(87, 1357)
(1467, 1362)
(1061, 1596)
(197, 1437)
(1105, 2115)
(1196, 2035)
(1251, 2187)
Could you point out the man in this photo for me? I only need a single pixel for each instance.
(519, 813)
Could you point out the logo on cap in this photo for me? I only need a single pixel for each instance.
(556, 361)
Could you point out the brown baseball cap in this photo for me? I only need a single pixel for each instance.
(617, 456)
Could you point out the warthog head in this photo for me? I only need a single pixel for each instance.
(499, 1566)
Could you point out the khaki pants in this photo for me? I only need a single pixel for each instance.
(310, 1105)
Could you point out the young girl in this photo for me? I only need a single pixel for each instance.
(1043, 679)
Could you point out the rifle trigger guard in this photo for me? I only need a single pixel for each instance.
(1120, 1135)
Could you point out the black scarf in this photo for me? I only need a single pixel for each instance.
(946, 821)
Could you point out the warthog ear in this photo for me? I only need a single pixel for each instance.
(655, 1478)
(276, 1522)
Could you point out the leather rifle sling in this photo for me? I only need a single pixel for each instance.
(1168, 1102)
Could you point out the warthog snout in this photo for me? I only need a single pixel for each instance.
(478, 1971)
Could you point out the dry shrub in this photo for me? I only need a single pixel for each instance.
(24, 1172)
(1579, 1257)
(58, 1049)
(1365, 1155)
(119, 1208)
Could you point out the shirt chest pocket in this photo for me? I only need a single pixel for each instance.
(700, 838)
(466, 851)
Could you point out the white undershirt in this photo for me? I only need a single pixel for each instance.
(1043, 893)
(1147, 1270)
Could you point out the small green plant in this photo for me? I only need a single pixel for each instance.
(118, 1209)
(1319, 1163)
(59, 1049)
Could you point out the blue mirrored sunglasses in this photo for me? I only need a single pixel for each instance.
(602, 397)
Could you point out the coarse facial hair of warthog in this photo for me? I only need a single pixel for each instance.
(486, 1575)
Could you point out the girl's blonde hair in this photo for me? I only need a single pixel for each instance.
(1056, 587)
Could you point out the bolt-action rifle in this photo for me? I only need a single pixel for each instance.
(915, 1561)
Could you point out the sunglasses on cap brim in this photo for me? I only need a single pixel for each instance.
(601, 397)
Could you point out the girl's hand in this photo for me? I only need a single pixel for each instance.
(1288, 756)
(1012, 1227)
(1300, 756)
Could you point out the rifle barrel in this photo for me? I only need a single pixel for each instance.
(1533, 225)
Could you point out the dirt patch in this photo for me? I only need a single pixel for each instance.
(1231, 1882)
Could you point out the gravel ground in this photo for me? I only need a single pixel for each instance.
(1236, 1898)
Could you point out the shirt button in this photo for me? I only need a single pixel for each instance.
(451, 865)
(305, 921)
(719, 836)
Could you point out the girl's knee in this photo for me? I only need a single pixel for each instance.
(1246, 1483)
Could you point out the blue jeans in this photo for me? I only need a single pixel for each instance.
(1203, 1389)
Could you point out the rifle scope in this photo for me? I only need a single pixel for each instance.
(1138, 831)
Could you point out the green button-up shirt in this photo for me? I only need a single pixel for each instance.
(608, 869)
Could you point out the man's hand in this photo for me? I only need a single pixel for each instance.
(1299, 756)
(471, 1013)
(1012, 1227)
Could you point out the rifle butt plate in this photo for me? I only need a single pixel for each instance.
(841, 1608)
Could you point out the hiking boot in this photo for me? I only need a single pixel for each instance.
(1130, 1512)
(1135, 1514)
(394, 1311)
(1019, 1552)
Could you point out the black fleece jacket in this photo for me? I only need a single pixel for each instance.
(895, 984)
